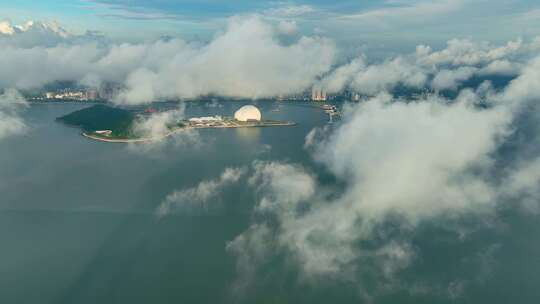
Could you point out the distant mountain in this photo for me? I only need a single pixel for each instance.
(7, 28)
(44, 34)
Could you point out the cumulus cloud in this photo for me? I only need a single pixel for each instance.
(501, 67)
(466, 52)
(524, 183)
(288, 184)
(525, 86)
(198, 199)
(446, 69)
(162, 130)
(402, 163)
(246, 60)
(11, 103)
(158, 125)
(403, 159)
(417, 142)
(451, 79)
(386, 76)
(287, 27)
(26, 68)
(230, 64)
(342, 76)
(374, 78)
(313, 230)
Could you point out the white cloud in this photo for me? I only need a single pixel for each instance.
(6, 28)
(315, 136)
(34, 67)
(386, 76)
(251, 249)
(290, 11)
(198, 199)
(501, 67)
(405, 162)
(448, 68)
(11, 103)
(524, 183)
(415, 158)
(401, 162)
(409, 11)
(287, 184)
(525, 87)
(247, 60)
(287, 27)
(231, 65)
(461, 52)
(157, 125)
(342, 76)
(161, 130)
(451, 79)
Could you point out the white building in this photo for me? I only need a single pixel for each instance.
(104, 132)
(206, 119)
(248, 113)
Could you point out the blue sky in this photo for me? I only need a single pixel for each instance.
(394, 22)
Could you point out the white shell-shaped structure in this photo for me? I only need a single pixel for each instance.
(248, 113)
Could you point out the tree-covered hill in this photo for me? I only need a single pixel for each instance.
(101, 117)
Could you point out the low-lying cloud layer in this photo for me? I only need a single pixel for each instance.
(402, 163)
(249, 59)
(197, 200)
(158, 125)
(446, 69)
(11, 104)
(246, 60)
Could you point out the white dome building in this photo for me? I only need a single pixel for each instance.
(248, 113)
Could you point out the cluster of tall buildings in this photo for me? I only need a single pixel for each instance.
(105, 93)
(81, 95)
(318, 94)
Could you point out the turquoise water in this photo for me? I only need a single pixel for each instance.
(77, 224)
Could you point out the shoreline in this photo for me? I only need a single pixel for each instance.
(142, 140)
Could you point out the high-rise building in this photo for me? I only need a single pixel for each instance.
(318, 94)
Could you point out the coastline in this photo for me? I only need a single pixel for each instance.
(113, 140)
(148, 139)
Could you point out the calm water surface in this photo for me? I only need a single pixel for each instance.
(77, 223)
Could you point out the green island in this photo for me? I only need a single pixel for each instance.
(98, 118)
(116, 125)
